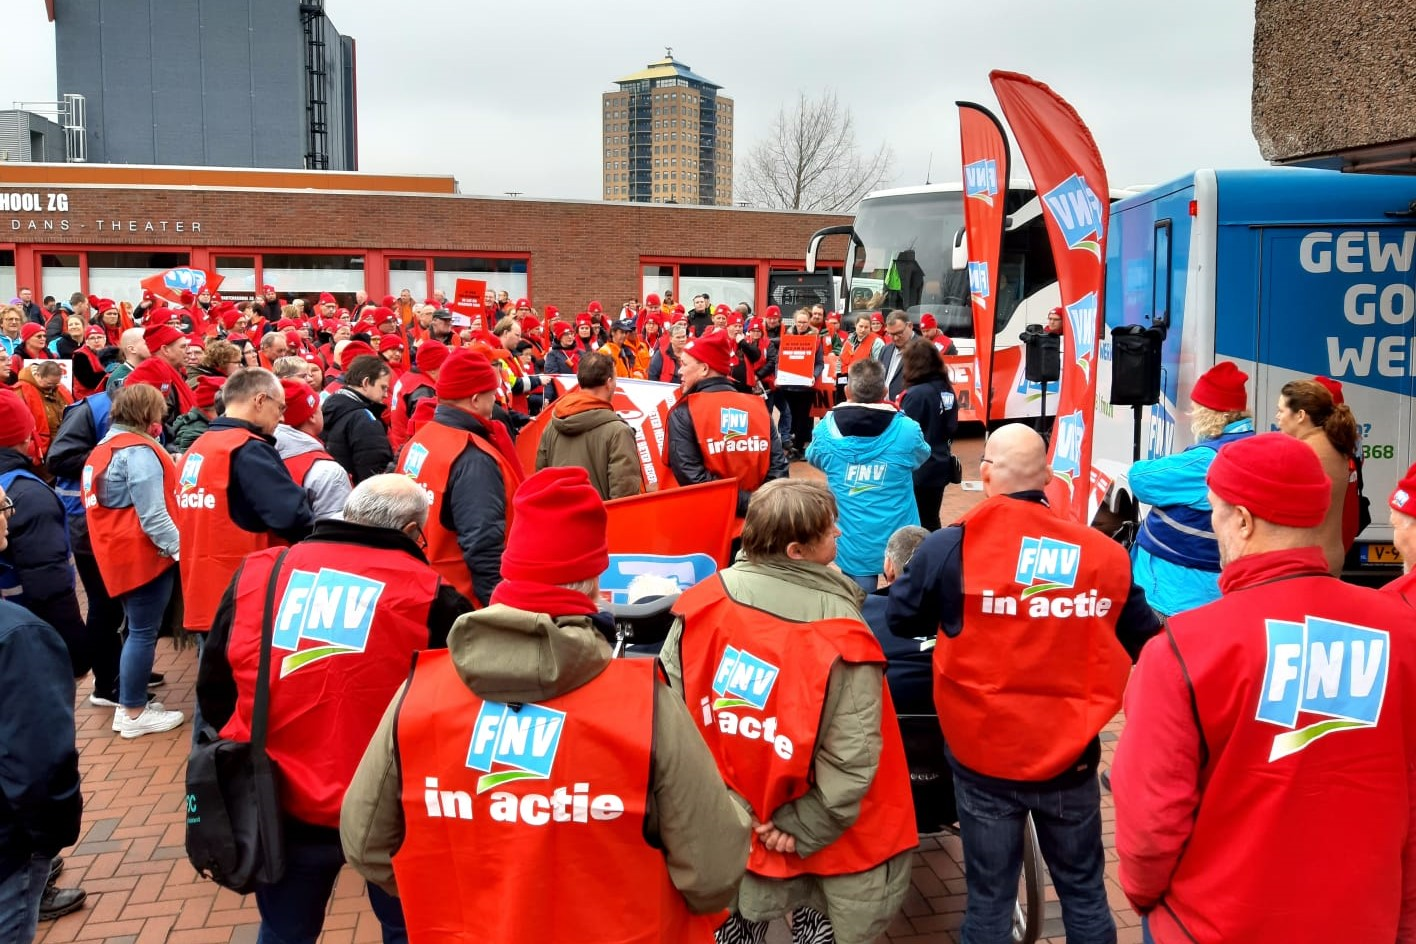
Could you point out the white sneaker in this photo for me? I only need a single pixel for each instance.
(151, 721)
(154, 704)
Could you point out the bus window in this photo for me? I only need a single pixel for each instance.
(1160, 279)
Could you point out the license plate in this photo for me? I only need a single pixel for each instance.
(1380, 554)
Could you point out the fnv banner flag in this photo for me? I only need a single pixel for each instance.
(1068, 174)
(985, 156)
(170, 284)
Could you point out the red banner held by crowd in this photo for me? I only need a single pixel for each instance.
(984, 150)
(467, 301)
(683, 534)
(1068, 174)
(172, 283)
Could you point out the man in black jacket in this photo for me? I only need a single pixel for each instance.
(354, 434)
(42, 806)
(700, 317)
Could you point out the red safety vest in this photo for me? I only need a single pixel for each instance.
(1296, 843)
(213, 546)
(1037, 670)
(347, 622)
(127, 558)
(734, 433)
(300, 465)
(757, 684)
(428, 459)
(526, 823)
(397, 411)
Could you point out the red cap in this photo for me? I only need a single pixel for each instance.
(559, 501)
(1402, 497)
(550, 312)
(715, 350)
(327, 299)
(722, 310)
(186, 298)
(229, 318)
(381, 315)
(522, 303)
(301, 401)
(559, 328)
(530, 323)
(594, 308)
(926, 322)
(16, 420)
(160, 315)
(352, 350)
(388, 301)
(735, 319)
(756, 324)
(390, 342)
(94, 331)
(466, 374)
(207, 386)
(836, 317)
(877, 318)
(149, 296)
(194, 340)
(267, 289)
(160, 335)
(1221, 388)
(431, 355)
(104, 304)
(680, 310)
(30, 330)
(584, 319)
(652, 300)
(772, 311)
(1278, 478)
(1334, 387)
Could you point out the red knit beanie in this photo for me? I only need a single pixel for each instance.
(1221, 388)
(158, 315)
(432, 355)
(352, 350)
(206, 390)
(563, 503)
(465, 374)
(1334, 387)
(390, 342)
(30, 330)
(1278, 478)
(1403, 497)
(715, 350)
(159, 336)
(16, 420)
(301, 401)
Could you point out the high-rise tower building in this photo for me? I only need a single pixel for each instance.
(668, 137)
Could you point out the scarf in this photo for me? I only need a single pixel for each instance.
(186, 397)
(532, 596)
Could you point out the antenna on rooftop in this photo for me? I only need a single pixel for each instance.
(929, 168)
(668, 52)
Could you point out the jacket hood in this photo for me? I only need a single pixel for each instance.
(862, 434)
(579, 412)
(508, 655)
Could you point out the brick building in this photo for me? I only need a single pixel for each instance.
(97, 229)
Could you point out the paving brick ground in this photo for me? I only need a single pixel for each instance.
(130, 857)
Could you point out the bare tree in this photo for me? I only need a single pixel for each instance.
(810, 160)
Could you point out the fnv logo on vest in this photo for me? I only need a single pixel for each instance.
(1082, 314)
(1337, 671)
(509, 744)
(981, 180)
(86, 487)
(979, 282)
(732, 423)
(1047, 564)
(1067, 459)
(864, 477)
(1077, 212)
(743, 680)
(330, 608)
(188, 494)
(413, 461)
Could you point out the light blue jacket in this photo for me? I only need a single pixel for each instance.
(871, 477)
(1165, 482)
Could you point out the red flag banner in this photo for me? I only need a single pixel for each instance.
(467, 299)
(1068, 174)
(984, 150)
(172, 283)
(683, 534)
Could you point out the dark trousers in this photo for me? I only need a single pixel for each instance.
(799, 401)
(1068, 823)
(777, 400)
(293, 909)
(103, 629)
(928, 498)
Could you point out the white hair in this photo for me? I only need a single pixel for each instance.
(387, 501)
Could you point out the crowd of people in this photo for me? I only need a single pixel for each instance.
(345, 486)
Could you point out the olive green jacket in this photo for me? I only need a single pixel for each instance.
(860, 905)
(509, 655)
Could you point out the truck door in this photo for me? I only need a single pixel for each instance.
(1340, 301)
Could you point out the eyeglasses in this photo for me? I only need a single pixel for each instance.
(7, 509)
(419, 537)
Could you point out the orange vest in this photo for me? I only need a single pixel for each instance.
(757, 684)
(213, 546)
(300, 466)
(428, 459)
(347, 622)
(1037, 670)
(526, 823)
(734, 434)
(127, 558)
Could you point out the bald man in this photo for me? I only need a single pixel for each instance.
(134, 351)
(1039, 622)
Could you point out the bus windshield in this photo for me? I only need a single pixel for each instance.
(906, 260)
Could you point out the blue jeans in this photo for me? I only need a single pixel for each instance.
(778, 399)
(869, 583)
(19, 901)
(1068, 823)
(1146, 931)
(293, 909)
(144, 608)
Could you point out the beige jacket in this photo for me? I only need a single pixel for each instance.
(509, 655)
(860, 905)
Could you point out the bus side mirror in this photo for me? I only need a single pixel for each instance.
(959, 260)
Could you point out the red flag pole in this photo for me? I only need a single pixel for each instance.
(986, 159)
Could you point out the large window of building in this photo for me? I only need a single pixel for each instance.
(724, 283)
(7, 273)
(119, 275)
(238, 274)
(309, 274)
(411, 274)
(507, 274)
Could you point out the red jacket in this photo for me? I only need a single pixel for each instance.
(1266, 781)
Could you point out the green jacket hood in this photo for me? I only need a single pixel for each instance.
(508, 655)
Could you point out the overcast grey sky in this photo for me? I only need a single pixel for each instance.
(506, 97)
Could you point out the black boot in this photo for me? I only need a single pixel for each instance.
(58, 902)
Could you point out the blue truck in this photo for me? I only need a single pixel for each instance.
(1289, 273)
